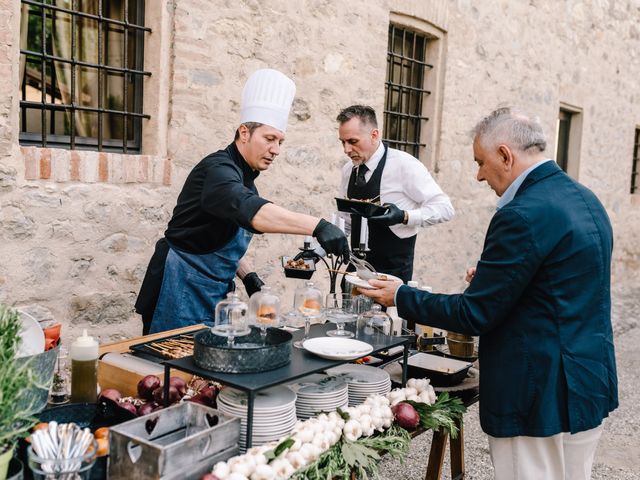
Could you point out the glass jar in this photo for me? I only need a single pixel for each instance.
(264, 309)
(376, 321)
(231, 318)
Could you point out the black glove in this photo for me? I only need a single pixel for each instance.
(393, 216)
(252, 283)
(332, 239)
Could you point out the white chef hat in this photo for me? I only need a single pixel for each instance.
(267, 98)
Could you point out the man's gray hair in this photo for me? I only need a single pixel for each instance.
(513, 127)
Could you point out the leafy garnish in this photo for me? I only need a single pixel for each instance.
(344, 415)
(443, 414)
(280, 448)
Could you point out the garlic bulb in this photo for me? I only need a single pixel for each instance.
(352, 430)
(282, 468)
(263, 472)
(296, 460)
(221, 470)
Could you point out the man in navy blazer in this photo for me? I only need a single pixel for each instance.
(539, 299)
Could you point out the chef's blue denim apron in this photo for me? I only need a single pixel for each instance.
(193, 284)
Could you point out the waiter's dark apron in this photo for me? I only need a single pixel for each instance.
(389, 253)
(193, 284)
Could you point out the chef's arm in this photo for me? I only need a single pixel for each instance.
(274, 219)
(249, 277)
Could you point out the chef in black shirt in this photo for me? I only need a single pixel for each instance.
(217, 212)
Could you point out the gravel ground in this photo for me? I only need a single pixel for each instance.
(618, 455)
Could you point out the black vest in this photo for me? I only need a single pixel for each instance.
(389, 253)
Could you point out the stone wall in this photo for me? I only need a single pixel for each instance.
(78, 243)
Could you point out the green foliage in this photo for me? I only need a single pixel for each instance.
(280, 448)
(360, 457)
(442, 414)
(16, 375)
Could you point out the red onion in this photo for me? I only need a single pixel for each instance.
(158, 395)
(200, 399)
(406, 416)
(179, 384)
(209, 476)
(146, 408)
(110, 394)
(209, 393)
(129, 407)
(147, 385)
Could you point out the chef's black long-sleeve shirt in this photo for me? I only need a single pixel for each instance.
(218, 196)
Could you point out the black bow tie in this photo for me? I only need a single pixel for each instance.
(360, 180)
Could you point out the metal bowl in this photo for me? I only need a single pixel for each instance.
(249, 354)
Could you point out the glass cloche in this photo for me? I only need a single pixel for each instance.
(308, 303)
(231, 318)
(264, 309)
(377, 321)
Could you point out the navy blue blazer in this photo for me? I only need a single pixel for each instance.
(540, 302)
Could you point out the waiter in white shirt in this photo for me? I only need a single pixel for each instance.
(403, 184)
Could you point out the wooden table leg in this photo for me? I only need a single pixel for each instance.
(436, 455)
(457, 453)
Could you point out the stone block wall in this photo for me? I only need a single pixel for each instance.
(77, 228)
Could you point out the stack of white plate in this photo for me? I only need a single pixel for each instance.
(274, 413)
(362, 381)
(319, 393)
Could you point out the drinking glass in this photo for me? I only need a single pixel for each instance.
(340, 309)
(308, 303)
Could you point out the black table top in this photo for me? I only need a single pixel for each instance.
(302, 362)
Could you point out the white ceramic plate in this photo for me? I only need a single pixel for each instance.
(353, 279)
(32, 336)
(334, 348)
(274, 399)
(361, 375)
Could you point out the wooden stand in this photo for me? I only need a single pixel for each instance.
(436, 455)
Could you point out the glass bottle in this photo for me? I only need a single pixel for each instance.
(264, 310)
(59, 391)
(308, 302)
(231, 318)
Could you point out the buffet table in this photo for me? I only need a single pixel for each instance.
(302, 363)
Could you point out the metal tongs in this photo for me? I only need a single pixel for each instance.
(364, 270)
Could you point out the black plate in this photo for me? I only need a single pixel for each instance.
(366, 209)
(303, 273)
(143, 349)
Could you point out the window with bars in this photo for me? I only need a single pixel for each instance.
(635, 167)
(404, 89)
(81, 74)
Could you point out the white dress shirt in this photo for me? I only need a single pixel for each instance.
(407, 183)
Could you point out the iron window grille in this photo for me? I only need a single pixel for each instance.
(404, 89)
(82, 71)
(635, 168)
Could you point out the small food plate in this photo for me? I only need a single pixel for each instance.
(366, 209)
(355, 280)
(333, 348)
(303, 273)
(443, 372)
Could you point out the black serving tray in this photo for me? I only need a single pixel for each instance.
(302, 273)
(443, 372)
(365, 209)
(143, 349)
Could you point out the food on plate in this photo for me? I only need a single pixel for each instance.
(300, 264)
(266, 314)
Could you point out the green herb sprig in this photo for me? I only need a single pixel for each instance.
(16, 376)
(443, 414)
